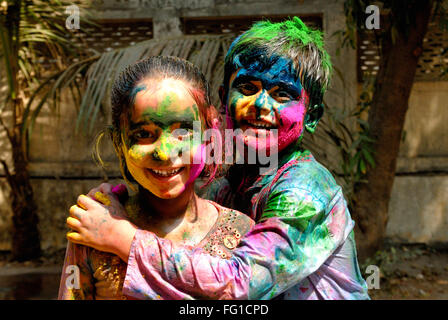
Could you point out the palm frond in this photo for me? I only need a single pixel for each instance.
(49, 89)
(206, 52)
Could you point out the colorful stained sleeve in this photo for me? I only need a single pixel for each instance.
(298, 231)
(190, 270)
(312, 228)
(77, 276)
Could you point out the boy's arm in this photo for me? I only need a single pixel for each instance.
(297, 234)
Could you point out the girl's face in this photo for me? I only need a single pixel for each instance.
(158, 143)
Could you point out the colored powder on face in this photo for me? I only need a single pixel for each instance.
(198, 164)
(135, 154)
(271, 71)
(274, 72)
(136, 90)
(166, 115)
(292, 121)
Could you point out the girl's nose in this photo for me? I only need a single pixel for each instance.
(166, 147)
(160, 155)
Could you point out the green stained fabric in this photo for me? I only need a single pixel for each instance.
(296, 214)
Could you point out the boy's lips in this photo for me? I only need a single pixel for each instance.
(165, 174)
(259, 124)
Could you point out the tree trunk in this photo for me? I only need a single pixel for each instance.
(386, 118)
(26, 239)
(25, 236)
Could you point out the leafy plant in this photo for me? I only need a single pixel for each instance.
(36, 48)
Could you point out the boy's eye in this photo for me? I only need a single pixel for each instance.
(281, 96)
(247, 88)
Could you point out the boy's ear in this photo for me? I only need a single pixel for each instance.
(313, 116)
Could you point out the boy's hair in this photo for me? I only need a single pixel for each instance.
(124, 90)
(291, 39)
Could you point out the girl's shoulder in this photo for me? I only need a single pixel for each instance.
(227, 232)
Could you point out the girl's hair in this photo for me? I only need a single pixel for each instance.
(123, 97)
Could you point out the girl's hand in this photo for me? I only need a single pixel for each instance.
(103, 226)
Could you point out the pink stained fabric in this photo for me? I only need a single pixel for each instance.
(101, 275)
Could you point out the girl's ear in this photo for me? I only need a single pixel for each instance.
(313, 116)
(213, 116)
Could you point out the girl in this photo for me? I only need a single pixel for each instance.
(156, 103)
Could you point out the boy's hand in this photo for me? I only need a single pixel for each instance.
(102, 224)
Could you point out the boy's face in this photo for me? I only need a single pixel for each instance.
(267, 99)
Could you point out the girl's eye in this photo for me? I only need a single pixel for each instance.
(182, 134)
(142, 134)
(248, 89)
(281, 96)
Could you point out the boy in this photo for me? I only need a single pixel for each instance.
(302, 246)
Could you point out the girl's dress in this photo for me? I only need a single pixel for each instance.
(91, 274)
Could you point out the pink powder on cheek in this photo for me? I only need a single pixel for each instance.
(198, 164)
(292, 118)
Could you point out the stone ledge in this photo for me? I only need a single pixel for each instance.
(422, 165)
(73, 170)
(88, 169)
(418, 209)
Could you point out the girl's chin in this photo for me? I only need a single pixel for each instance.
(260, 146)
(166, 192)
(166, 187)
(172, 193)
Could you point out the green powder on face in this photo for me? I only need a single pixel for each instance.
(166, 103)
(168, 113)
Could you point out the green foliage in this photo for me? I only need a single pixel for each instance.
(354, 145)
(36, 47)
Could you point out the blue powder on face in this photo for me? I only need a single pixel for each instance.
(270, 71)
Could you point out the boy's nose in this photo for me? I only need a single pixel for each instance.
(262, 103)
